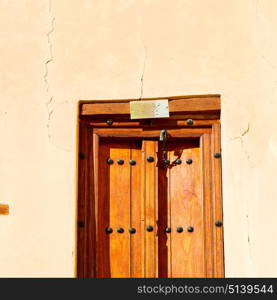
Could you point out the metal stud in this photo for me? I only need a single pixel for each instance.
(109, 230)
(109, 122)
(150, 158)
(217, 155)
(132, 162)
(82, 155)
(81, 224)
(189, 121)
(109, 161)
(178, 161)
(166, 161)
(168, 230)
(189, 161)
(120, 161)
(179, 229)
(190, 229)
(120, 230)
(149, 228)
(132, 230)
(218, 223)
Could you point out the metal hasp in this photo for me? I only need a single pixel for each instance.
(163, 139)
(163, 135)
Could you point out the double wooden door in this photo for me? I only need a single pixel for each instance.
(154, 208)
(150, 211)
(149, 190)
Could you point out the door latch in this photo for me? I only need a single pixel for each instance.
(163, 135)
(163, 139)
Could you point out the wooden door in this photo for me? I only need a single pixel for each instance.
(126, 202)
(150, 208)
(118, 248)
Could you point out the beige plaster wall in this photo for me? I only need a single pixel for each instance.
(53, 53)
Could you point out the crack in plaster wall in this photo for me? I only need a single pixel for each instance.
(241, 139)
(50, 102)
(249, 241)
(140, 18)
(143, 71)
(246, 131)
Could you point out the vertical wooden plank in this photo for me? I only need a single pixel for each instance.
(217, 203)
(102, 203)
(90, 220)
(186, 199)
(143, 208)
(120, 210)
(136, 221)
(156, 212)
(150, 208)
(208, 205)
(169, 239)
(82, 195)
(164, 219)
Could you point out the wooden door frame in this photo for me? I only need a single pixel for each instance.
(111, 118)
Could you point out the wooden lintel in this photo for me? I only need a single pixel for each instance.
(209, 104)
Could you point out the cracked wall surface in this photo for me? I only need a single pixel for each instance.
(55, 52)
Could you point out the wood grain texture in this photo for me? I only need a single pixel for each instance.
(208, 205)
(164, 219)
(103, 267)
(136, 221)
(120, 210)
(83, 199)
(186, 201)
(217, 203)
(153, 133)
(160, 123)
(176, 105)
(150, 208)
(149, 194)
(4, 209)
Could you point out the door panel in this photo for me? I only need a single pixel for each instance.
(119, 254)
(142, 193)
(186, 210)
(113, 250)
(120, 210)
